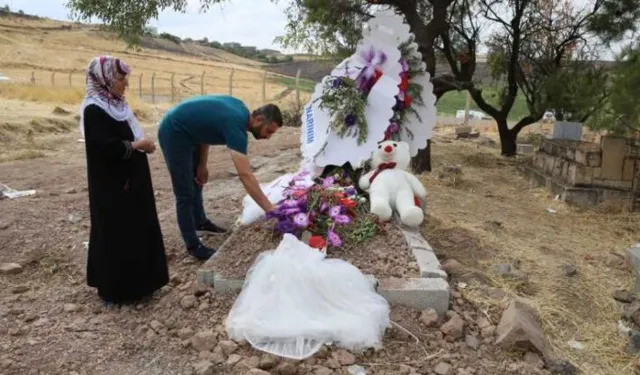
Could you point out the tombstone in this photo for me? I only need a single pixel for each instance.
(524, 148)
(567, 130)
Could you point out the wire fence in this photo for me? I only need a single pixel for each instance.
(254, 87)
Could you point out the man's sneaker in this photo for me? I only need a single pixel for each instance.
(209, 228)
(201, 252)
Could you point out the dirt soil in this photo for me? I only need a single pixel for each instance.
(52, 323)
(385, 255)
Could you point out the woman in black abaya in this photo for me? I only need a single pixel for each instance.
(127, 260)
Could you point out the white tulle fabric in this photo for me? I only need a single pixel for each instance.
(294, 300)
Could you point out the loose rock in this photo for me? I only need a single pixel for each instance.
(71, 307)
(185, 333)
(228, 347)
(534, 360)
(10, 269)
(561, 367)
(443, 368)
(322, 371)
(616, 261)
(624, 296)
(256, 371)
(568, 269)
(633, 347)
(344, 357)
(453, 328)
(286, 368)
(268, 361)
(519, 329)
(188, 302)
(472, 342)
(204, 341)
(233, 359)
(204, 368)
(429, 318)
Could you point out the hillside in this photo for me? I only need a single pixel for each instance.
(36, 48)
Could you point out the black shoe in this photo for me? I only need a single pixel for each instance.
(209, 228)
(201, 252)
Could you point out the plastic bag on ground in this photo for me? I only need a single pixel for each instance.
(294, 300)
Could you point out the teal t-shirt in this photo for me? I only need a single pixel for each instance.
(212, 120)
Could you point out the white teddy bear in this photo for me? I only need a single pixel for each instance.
(391, 186)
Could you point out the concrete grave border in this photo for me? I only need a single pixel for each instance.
(430, 290)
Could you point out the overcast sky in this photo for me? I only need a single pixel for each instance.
(249, 22)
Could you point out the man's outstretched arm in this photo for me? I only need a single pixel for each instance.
(243, 167)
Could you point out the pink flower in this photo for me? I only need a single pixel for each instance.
(334, 239)
(301, 220)
(342, 219)
(335, 211)
(323, 207)
(328, 182)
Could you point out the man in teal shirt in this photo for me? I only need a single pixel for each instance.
(185, 134)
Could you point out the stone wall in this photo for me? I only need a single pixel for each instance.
(584, 164)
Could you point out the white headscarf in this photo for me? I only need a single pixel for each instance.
(101, 75)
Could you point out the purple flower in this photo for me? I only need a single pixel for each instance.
(335, 211)
(301, 220)
(276, 214)
(337, 82)
(405, 65)
(393, 128)
(342, 219)
(328, 182)
(286, 226)
(350, 120)
(289, 203)
(334, 239)
(399, 105)
(291, 211)
(373, 59)
(323, 207)
(350, 190)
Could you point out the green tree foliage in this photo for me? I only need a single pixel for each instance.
(621, 111)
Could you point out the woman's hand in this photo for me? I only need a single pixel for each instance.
(202, 174)
(145, 145)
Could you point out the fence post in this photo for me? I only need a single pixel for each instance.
(33, 78)
(173, 89)
(231, 81)
(264, 87)
(53, 79)
(202, 83)
(140, 86)
(153, 88)
(297, 87)
(70, 79)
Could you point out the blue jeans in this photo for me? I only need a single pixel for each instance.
(182, 159)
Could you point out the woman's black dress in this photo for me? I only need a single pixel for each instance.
(127, 259)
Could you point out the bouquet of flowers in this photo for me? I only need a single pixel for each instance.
(331, 211)
(346, 102)
(410, 93)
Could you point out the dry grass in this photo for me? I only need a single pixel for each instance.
(38, 49)
(579, 308)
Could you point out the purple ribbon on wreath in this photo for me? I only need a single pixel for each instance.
(373, 59)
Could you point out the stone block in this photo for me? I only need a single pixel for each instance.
(224, 285)
(523, 148)
(417, 293)
(538, 160)
(519, 329)
(570, 153)
(579, 175)
(428, 264)
(567, 130)
(628, 169)
(549, 164)
(558, 167)
(414, 239)
(546, 146)
(613, 155)
(597, 173)
(613, 184)
(633, 255)
(463, 130)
